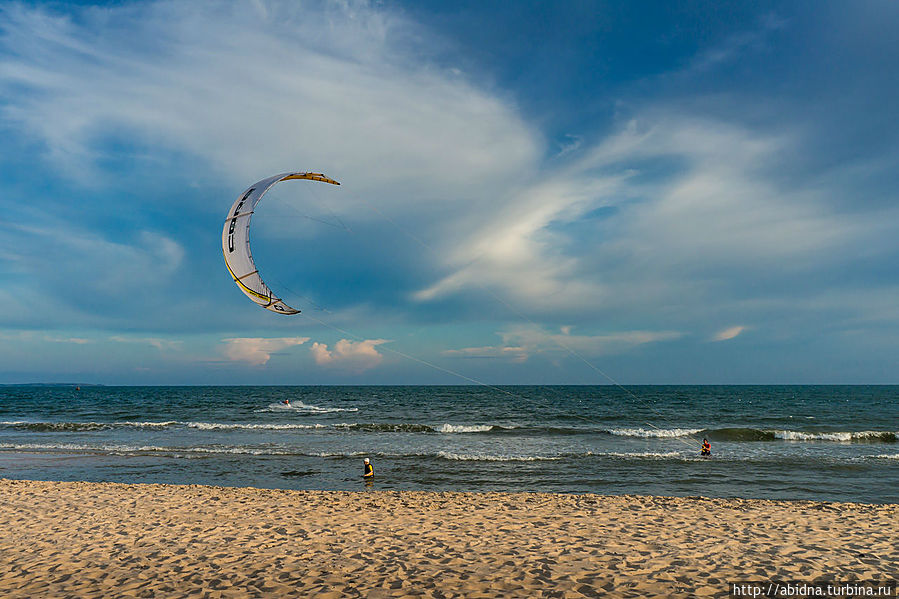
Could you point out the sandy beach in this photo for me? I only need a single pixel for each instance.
(76, 539)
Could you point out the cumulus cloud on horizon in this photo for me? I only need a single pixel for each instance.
(512, 353)
(728, 333)
(257, 351)
(160, 344)
(521, 342)
(355, 356)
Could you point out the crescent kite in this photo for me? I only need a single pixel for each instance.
(236, 241)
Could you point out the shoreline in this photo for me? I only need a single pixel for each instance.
(140, 540)
(817, 503)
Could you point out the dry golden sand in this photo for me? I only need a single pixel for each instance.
(112, 540)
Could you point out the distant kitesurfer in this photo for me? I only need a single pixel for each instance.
(368, 471)
(706, 448)
(286, 402)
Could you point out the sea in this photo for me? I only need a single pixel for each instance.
(836, 443)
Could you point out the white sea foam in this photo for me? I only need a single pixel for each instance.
(236, 425)
(841, 436)
(298, 406)
(75, 426)
(147, 424)
(120, 449)
(887, 456)
(468, 457)
(83, 447)
(235, 450)
(464, 428)
(329, 454)
(662, 433)
(652, 455)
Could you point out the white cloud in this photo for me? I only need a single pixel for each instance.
(570, 144)
(536, 337)
(257, 351)
(338, 87)
(728, 333)
(75, 340)
(511, 248)
(216, 83)
(356, 356)
(735, 45)
(95, 265)
(32, 336)
(160, 344)
(715, 212)
(515, 354)
(721, 207)
(521, 342)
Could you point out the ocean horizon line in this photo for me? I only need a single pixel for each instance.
(472, 385)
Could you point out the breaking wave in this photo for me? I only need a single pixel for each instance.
(841, 437)
(466, 428)
(651, 455)
(467, 457)
(116, 449)
(661, 433)
(371, 427)
(754, 434)
(299, 406)
(240, 426)
(384, 427)
(738, 434)
(62, 427)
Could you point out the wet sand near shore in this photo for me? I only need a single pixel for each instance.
(78, 539)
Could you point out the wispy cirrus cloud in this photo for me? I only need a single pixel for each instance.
(219, 97)
(73, 274)
(671, 206)
(185, 78)
(640, 213)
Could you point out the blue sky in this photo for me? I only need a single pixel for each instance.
(535, 193)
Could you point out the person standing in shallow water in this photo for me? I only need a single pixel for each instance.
(368, 472)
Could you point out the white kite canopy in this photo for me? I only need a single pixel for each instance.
(236, 241)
